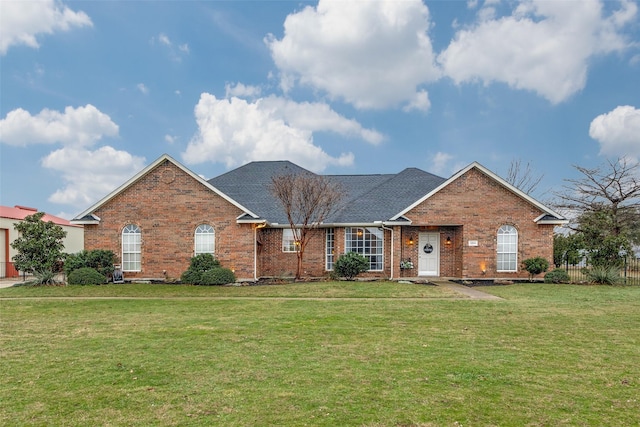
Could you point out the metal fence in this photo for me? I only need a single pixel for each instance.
(629, 273)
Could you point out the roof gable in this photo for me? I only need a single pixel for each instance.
(87, 216)
(549, 216)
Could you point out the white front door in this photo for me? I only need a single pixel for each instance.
(429, 254)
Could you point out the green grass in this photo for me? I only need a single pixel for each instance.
(545, 355)
(292, 290)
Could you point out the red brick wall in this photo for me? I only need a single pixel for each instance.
(168, 204)
(479, 205)
(272, 262)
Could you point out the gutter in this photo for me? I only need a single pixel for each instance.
(380, 224)
(255, 249)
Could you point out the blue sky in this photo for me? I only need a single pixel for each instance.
(91, 92)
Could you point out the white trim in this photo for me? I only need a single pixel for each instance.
(557, 221)
(491, 175)
(148, 169)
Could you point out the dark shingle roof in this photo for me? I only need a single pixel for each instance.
(387, 198)
(249, 186)
(367, 198)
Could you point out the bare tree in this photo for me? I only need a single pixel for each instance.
(307, 200)
(605, 205)
(523, 177)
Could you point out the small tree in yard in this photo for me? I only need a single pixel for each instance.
(307, 200)
(535, 266)
(39, 248)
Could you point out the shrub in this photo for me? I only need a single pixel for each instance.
(86, 276)
(191, 277)
(44, 277)
(603, 275)
(203, 262)
(204, 269)
(217, 276)
(535, 266)
(101, 260)
(557, 275)
(350, 265)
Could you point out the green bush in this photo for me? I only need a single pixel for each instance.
(204, 269)
(203, 262)
(218, 276)
(350, 265)
(86, 276)
(535, 266)
(191, 277)
(101, 260)
(603, 275)
(558, 275)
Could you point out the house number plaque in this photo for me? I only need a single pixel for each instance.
(427, 248)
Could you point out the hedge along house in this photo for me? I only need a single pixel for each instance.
(471, 225)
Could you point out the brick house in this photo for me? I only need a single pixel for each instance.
(471, 225)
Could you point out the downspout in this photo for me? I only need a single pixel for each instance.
(392, 242)
(255, 250)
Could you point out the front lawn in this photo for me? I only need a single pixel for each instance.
(545, 355)
(343, 289)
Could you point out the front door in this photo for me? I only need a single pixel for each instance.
(429, 254)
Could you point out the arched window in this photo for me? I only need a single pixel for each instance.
(131, 248)
(507, 249)
(204, 239)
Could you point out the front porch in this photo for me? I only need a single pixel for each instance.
(428, 252)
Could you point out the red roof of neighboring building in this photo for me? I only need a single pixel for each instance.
(20, 212)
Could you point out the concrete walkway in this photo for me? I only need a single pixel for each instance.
(7, 283)
(465, 290)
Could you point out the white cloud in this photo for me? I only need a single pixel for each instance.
(241, 90)
(176, 52)
(419, 102)
(543, 46)
(142, 88)
(618, 132)
(90, 175)
(80, 126)
(234, 131)
(372, 54)
(170, 138)
(316, 117)
(22, 21)
(440, 162)
(162, 38)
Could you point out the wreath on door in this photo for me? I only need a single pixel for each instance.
(428, 248)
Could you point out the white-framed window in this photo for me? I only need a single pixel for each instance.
(205, 238)
(507, 250)
(330, 248)
(131, 248)
(368, 242)
(288, 241)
